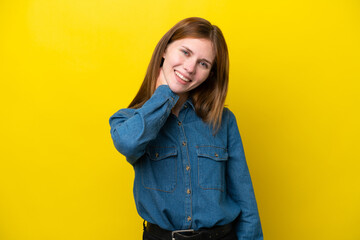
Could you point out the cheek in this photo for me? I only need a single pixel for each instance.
(201, 79)
(204, 75)
(176, 60)
(172, 59)
(167, 65)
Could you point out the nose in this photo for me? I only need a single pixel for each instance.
(190, 66)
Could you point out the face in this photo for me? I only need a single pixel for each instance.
(187, 64)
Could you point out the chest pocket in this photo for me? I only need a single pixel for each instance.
(212, 167)
(158, 169)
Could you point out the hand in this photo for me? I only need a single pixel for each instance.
(161, 79)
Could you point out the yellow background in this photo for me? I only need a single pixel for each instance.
(67, 65)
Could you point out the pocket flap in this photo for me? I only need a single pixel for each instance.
(213, 152)
(159, 153)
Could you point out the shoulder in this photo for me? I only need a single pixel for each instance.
(228, 116)
(229, 121)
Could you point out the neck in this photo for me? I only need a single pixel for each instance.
(182, 99)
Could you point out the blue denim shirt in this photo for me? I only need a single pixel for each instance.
(184, 176)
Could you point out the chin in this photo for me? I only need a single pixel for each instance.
(178, 91)
(175, 88)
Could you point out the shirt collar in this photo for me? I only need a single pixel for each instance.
(190, 102)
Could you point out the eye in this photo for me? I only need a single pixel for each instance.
(185, 52)
(204, 64)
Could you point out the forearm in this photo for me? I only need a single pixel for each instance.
(132, 131)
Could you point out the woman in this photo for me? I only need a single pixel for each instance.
(191, 176)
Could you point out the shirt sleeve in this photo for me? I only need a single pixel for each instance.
(239, 186)
(131, 130)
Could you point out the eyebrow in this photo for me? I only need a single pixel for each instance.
(203, 59)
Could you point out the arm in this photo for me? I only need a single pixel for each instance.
(240, 187)
(131, 130)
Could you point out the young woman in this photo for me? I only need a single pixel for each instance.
(191, 176)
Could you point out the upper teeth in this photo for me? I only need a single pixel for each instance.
(182, 77)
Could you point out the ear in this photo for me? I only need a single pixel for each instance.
(162, 61)
(165, 51)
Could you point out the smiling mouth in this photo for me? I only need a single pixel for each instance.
(182, 77)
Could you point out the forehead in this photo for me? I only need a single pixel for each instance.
(201, 47)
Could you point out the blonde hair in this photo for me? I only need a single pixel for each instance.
(209, 97)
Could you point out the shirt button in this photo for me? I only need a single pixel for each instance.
(189, 218)
(216, 155)
(185, 106)
(179, 123)
(188, 191)
(184, 143)
(187, 168)
(156, 154)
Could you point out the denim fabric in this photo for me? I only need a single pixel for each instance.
(185, 177)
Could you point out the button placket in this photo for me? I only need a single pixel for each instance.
(186, 166)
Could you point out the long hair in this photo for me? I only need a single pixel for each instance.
(209, 97)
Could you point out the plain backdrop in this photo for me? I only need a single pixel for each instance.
(67, 65)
